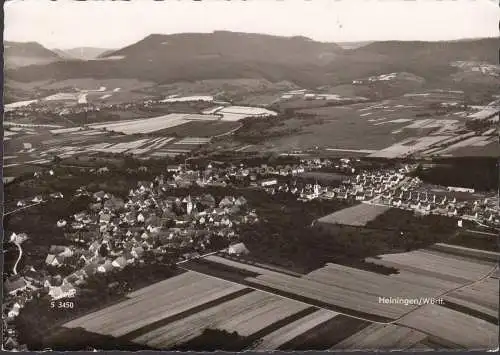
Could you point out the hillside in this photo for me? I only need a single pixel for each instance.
(230, 45)
(187, 57)
(20, 54)
(430, 60)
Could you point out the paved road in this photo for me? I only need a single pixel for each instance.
(23, 208)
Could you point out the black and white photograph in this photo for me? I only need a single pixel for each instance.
(260, 175)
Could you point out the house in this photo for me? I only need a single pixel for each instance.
(33, 276)
(107, 266)
(66, 290)
(240, 201)
(57, 195)
(99, 195)
(18, 238)
(103, 170)
(268, 182)
(60, 250)
(10, 344)
(90, 269)
(14, 312)
(174, 168)
(119, 262)
(79, 216)
(15, 284)
(54, 260)
(37, 199)
(104, 218)
(137, 252)
(129, 258)
(114, 203)
(94, 247)
(238, 249)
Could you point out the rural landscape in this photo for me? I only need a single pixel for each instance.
(234, 190)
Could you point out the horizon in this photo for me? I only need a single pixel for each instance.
(465, 39)
(67, 25)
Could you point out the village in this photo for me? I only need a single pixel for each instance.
(151, 225)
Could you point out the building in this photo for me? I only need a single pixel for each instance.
(120, 262)
(15, 284)
(64, 291)
(268, 182)
(460, 189)
(238, 249)
(106, 267)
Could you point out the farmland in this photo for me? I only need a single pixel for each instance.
(201, 129)
(283, 335)
(380, 337)
(143, 308)
(245, 315)
(353, 291)
(263, 308)
(420, 122)
(147, 125)
(457, 330)
(358, 215)
(439, 265)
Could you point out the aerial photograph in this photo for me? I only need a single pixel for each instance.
(251, 175)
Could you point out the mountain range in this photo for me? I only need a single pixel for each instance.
(167, 59)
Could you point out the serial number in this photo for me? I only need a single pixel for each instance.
(62, 305)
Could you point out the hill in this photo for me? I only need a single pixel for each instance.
(226, 45)
(200, 56)
(430, 60)
(20, 54)
(222, 55)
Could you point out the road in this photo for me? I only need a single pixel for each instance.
(18, 258)
(23, 208)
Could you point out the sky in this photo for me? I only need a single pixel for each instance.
(67, 24)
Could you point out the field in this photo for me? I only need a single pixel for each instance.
(425, 118)
(408, 147)
(202, 129)
(457, 330)
(292, 330)
(358, 215)
(236, 113)
(246, 315)
(147, 125)
(354, 291)
(481, 297)
(255, 307)
(439, 265)
(143, 307)
(382, 337)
